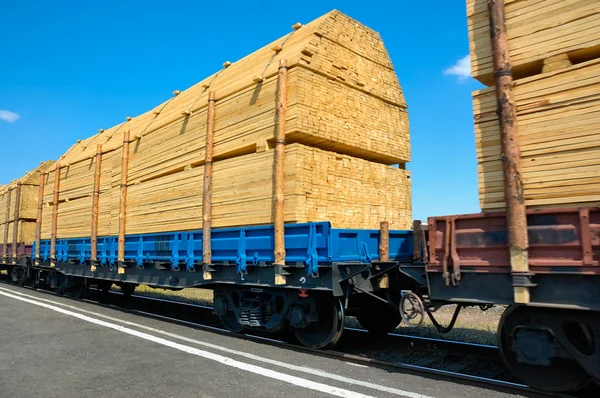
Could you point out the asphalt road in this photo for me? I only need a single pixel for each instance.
(56, 347)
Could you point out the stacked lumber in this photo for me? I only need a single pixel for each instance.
(539, 32)
(27, 206)
(557, 101)
(559, 135)
(346, 126)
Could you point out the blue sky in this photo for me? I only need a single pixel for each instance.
(69, 67)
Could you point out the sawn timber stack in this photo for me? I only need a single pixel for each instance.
(346, 128)
(555, 55)
(559, 124)
(540, 32)
(23, 206)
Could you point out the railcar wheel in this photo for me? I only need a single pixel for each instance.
(557, 375)
(70, 286)
(127, 289)
(380, 321)
(103, 289)
(9, 274)
(230, 321)
(78, 288)
(328, 329)
(226, 306)
(18, 276)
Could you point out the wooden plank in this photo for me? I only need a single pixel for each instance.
(537, 30)
(320, 185)
(558, 114)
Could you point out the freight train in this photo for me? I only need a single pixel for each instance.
(382, 277)
(309, 276)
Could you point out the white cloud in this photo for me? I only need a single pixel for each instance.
(462, 68)
(8, 116)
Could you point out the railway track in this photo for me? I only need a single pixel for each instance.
(470, 363)
(453, 357)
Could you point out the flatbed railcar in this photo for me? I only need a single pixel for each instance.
(329, 272)
(552, 343)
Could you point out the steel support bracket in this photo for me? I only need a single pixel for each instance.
(312, 256)
(241, 260)
(523, 279)
(280, 274)
(207, 270)
(175, 253)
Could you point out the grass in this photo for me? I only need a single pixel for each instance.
(190, 295)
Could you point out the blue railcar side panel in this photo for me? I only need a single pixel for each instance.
(311, 244)
(351, 245)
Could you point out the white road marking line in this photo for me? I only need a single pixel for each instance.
(312, 371)
(204, 354)
(357, 365)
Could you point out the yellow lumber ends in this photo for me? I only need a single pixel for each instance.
(296, 26)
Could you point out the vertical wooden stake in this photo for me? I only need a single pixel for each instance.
(123, 203)
(54, 216)
(16, 223)
(95, 201)
(384, 241)
(384, 250)
(280, 175)
(419, 242)
(207, 188)
(516, 216)
(6, 218)
(38, 222)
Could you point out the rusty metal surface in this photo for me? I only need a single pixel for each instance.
(509, 136)
(384, 241)
(6, 218)
(207, 187)
(560, 240)
(22, 249)
(54, 214)
(40, 213)
(280, 163)
(16, 218)
(511, 155)
(123, 198)
(95, 203)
